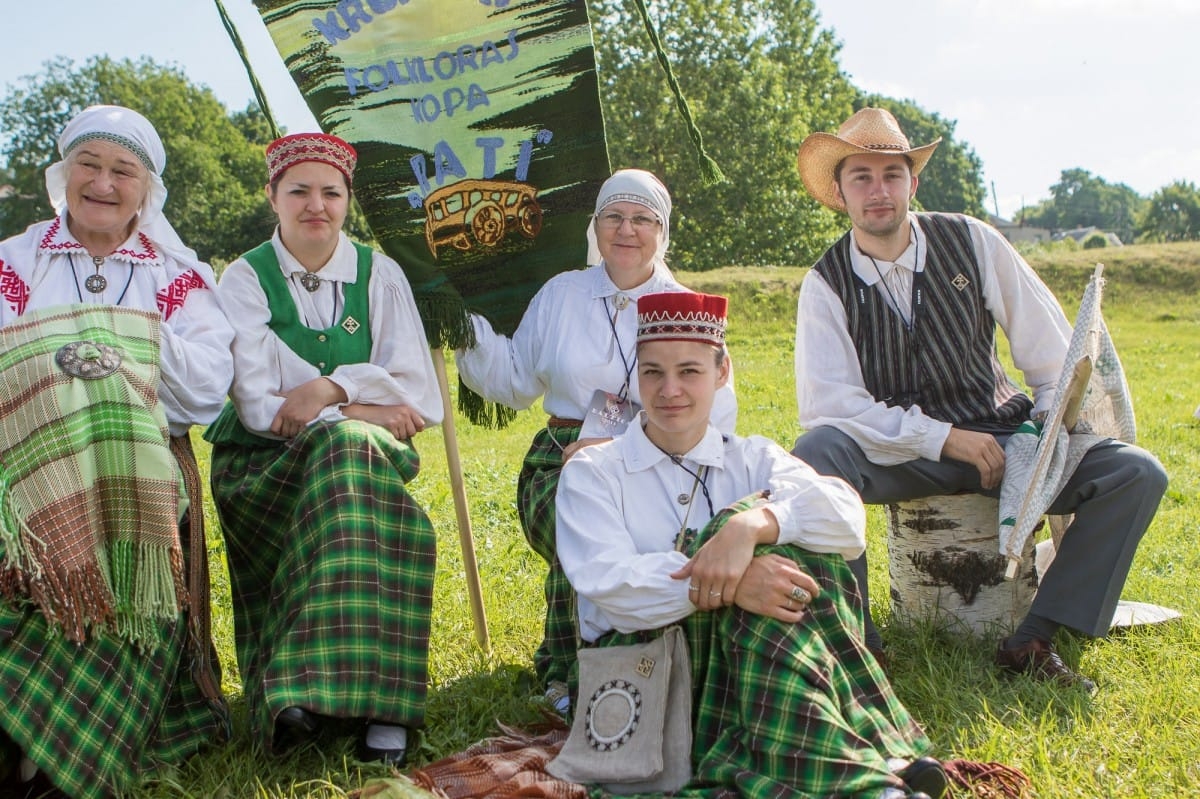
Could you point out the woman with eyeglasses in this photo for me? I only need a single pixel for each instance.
(575, 348)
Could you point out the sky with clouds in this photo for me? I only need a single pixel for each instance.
(1035, 86)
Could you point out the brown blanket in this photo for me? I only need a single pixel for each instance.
(512, 764)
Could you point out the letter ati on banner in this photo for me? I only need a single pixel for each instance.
(480, 139)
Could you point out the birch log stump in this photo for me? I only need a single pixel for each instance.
(946, 567)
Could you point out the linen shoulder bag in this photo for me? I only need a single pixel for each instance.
(633, 730)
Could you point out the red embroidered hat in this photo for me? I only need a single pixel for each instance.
(298, 147)
(682, 316)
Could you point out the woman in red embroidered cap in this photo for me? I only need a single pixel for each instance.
(331, 559)
(112, 344)
(745, 547)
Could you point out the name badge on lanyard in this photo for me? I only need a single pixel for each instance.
(608, 415)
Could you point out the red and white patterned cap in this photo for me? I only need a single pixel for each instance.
(682, 316)
(296, 148)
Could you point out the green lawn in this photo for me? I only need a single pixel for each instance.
(1138, 737)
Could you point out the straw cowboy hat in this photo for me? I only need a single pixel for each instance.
(870, 130)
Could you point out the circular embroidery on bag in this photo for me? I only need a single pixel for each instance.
(613, 714)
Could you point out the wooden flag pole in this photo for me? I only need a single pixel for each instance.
(474, 589)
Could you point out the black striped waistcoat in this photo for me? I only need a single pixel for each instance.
(946, 363)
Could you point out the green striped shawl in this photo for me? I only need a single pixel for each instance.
(89, 490)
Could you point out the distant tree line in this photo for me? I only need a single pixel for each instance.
(759, 76)
(1080, 199)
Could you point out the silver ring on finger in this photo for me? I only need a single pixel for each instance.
(789, 603)
(714, 593)
(800, 595)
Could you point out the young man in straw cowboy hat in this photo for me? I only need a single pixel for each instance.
(901, 393)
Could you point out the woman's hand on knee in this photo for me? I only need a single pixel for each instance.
(775, 586)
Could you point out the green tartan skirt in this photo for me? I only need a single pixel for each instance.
(536, 488)
(332, 565)
(96, 717)
(791, 710)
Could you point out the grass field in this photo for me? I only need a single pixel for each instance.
(1138, 737)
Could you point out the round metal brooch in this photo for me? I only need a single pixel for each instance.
(90, 360)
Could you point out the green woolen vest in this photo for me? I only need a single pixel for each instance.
(347, 341)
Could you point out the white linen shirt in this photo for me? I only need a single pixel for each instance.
(618, 517)
(45, 266)
(565, 349)
(400, 371)
(830, 390)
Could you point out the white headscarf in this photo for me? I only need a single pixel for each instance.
(131, 130)
(634, 186)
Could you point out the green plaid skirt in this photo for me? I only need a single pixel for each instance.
(332, 565)
(791, 710)
(96, 716)
(536, 487)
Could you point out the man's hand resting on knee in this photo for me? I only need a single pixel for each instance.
(978, 449)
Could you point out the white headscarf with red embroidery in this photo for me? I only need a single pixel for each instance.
(131, 130)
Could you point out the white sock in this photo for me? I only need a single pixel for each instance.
(387, 736)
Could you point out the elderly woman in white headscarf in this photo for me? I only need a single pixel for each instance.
(575, 348)
(112, 344)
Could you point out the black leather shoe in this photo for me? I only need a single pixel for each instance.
(294, 725)
(925, 777)
(10, 758)
(389, 757)
(1038, 660)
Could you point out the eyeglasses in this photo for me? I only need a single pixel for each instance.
(613, 221)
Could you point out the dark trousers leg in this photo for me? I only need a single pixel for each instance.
(1114, 494)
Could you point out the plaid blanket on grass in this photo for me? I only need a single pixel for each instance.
(89, 489)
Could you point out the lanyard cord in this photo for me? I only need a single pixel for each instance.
(75, 275)
(629, 367)
(701, 481)
(915, 298)
(916, 305)
(332, 285)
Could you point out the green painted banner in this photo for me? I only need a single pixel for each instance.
(479, 133)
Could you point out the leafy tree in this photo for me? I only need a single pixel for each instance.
(1080, 199)
(759, 75)
(1172, 214)
(214, 172)
(953, 178)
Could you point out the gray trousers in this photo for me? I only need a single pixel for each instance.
(1114, 494)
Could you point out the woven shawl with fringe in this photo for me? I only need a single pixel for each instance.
(89, 489)
(1039, 460)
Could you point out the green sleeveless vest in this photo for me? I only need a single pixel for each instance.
(348, 341)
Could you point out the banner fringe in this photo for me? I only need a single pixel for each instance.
(483, 412)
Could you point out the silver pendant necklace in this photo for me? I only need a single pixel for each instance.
(96, 283)
(310, 281)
